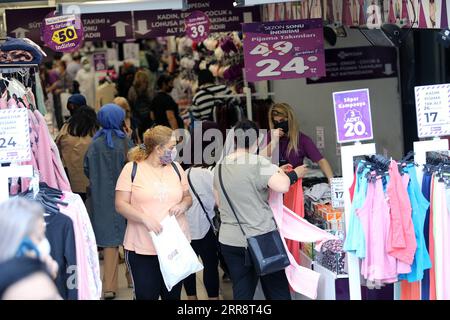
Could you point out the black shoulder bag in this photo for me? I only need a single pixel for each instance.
(267, 251)
(134, 170)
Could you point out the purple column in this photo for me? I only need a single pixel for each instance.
(444, 17)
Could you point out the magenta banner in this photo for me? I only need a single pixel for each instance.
(284, 50)
(353, 115)
(224, 17)
(197, 26)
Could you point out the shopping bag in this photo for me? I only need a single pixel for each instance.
(177, 259)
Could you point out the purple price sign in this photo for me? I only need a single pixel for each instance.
(353, 116)
(62, 33)
(100, 61)
(197, 26)
(284, 50)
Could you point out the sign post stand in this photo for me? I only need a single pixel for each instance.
(348, 153)
(353, 124)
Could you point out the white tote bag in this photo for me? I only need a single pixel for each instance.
(177, 259)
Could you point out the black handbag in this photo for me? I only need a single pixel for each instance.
(266, 251)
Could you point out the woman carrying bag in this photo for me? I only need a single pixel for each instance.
(242, 182)
(150, 188)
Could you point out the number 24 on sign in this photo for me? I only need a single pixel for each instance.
(297, 64)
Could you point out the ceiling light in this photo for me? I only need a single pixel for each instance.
(101, 6)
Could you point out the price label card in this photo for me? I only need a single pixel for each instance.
(284, 50)
(352, 115)
(62, 33)
(337, 192)
(14, 136)
(433, 110)
(197, 26)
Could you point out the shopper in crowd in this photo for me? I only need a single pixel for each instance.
(293, 145)
(164, 109)
(157, 191)
(73, 142)
(247, 178)
(22, 233)
(208, 95)
(103, 163)
(200, 215)
(86, 80)
(62, 85)
(74, 66)
(123, 103)
(26, 278)
(105, 92)
(140, 101)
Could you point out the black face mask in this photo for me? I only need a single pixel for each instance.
(284, 125)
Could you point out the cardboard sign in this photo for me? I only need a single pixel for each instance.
(62, 33)
(337, 192)
(14, 136)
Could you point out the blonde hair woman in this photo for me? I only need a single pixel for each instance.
(145, 196)
(293, 145)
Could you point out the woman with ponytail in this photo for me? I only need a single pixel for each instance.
(156, 188)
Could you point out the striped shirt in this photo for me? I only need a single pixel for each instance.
(205, 100)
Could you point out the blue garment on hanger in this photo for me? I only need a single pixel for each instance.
(426, 190)
(355, 241)
(419, 205)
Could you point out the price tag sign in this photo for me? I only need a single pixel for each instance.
(14, 136)
(352, 115)
(197, 26)
(284, 50)
(433, 110)
(337, 193)
(62, 33)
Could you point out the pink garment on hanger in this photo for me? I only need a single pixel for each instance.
(346, 12)
(4, 101)
(378, 265)
(403, 267)
(402, 240)
(88, 267)
(293, 227)
(12, 103)
(392, 17)
(50, 165)
(422, 19)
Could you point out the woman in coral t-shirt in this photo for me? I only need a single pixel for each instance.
(156, 192)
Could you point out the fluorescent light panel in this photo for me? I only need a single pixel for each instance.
(246, 3)
(121, 5)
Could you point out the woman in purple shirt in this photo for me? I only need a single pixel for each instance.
(293, 145)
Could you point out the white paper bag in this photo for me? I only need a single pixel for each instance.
(177, 259)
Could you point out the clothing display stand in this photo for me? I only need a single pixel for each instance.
(420, 152)
(348, 153)
(12, 172)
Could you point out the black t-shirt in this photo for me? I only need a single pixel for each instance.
(161, 103)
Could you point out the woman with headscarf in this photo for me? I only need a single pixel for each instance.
(103, 164)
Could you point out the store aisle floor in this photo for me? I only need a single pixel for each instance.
(126, 293)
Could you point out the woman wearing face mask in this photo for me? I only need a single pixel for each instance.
(22, 233)
(293, 145)
(103, 163)
(159, 188)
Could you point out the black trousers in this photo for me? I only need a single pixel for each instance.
(57, 107)
(245, 279)
(147, 278)
(206, 248)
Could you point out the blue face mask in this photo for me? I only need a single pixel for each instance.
(168, 156)
(26, 246)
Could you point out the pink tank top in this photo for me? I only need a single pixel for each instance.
(378, 266)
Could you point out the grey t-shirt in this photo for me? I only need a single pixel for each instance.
(245, 179)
